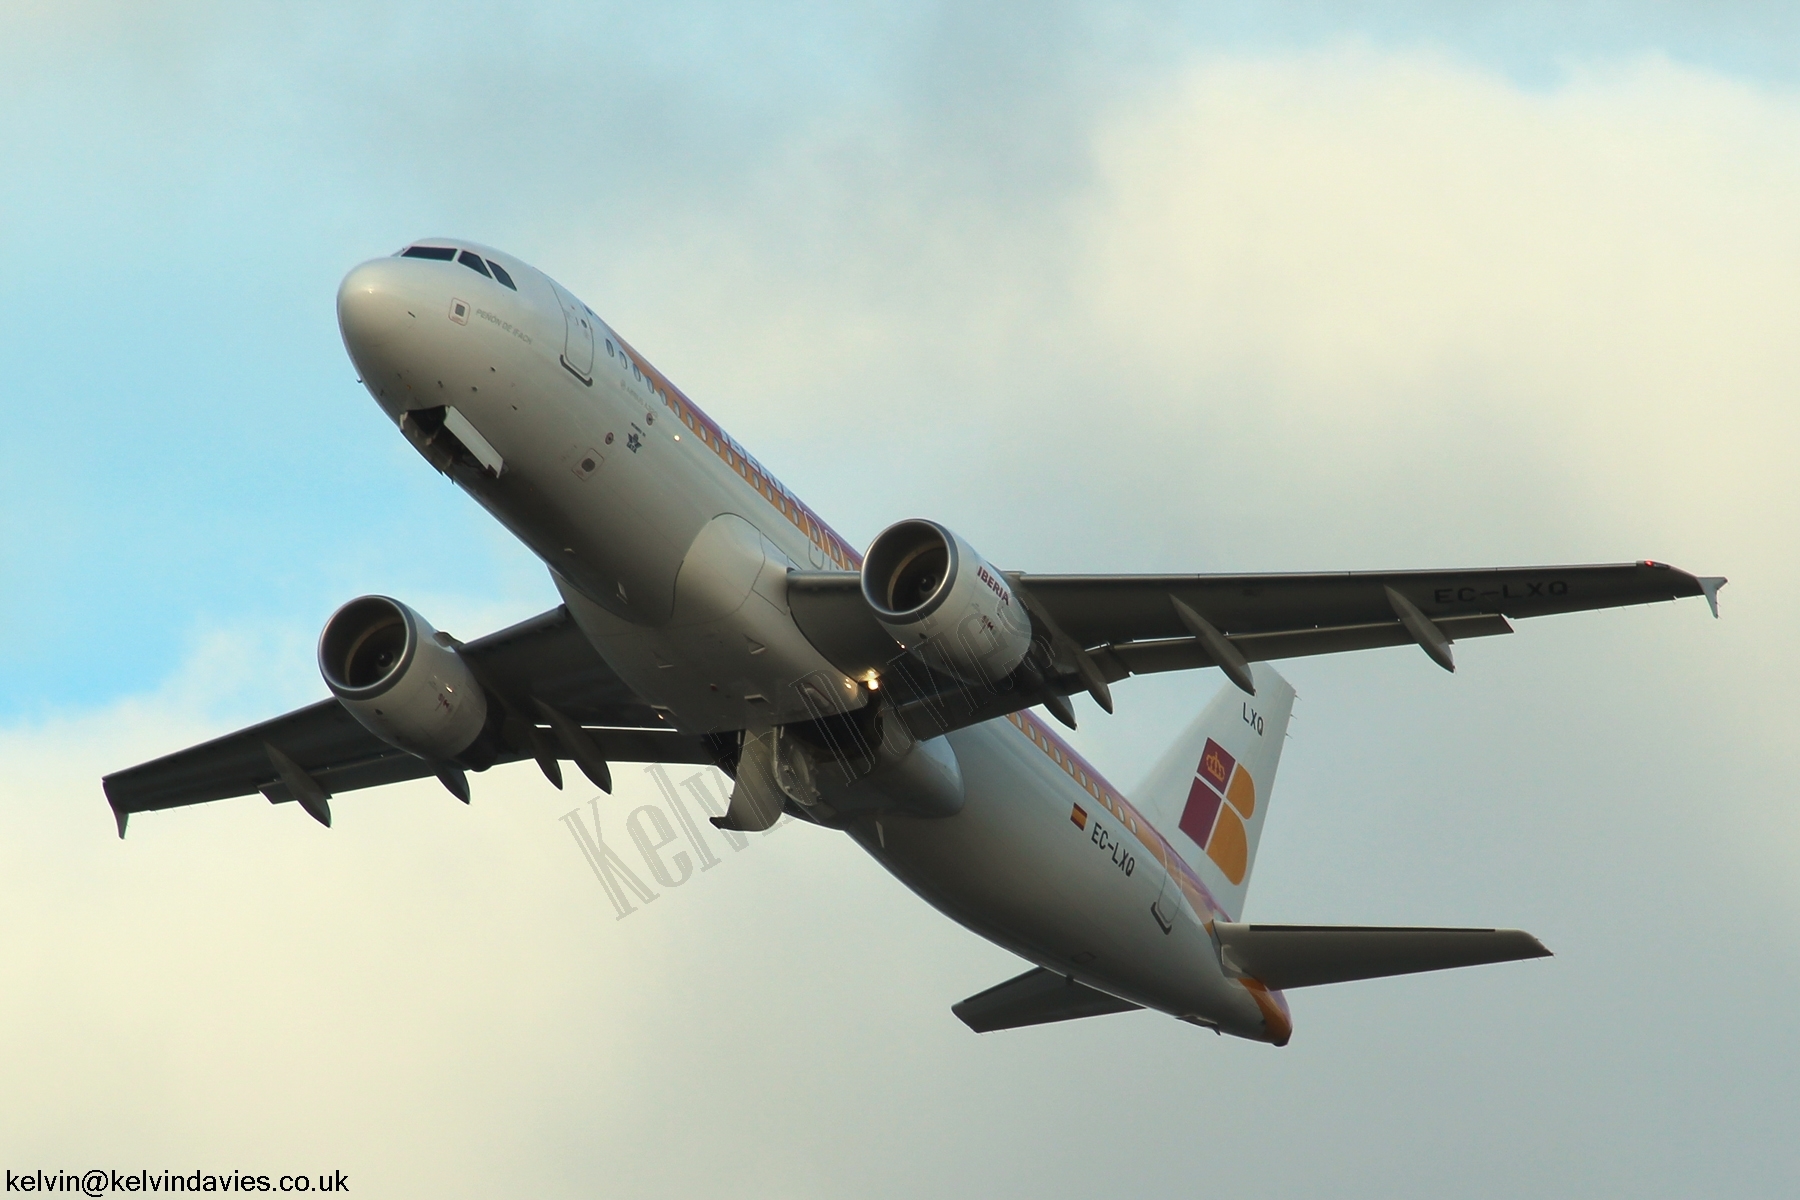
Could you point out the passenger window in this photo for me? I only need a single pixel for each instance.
(474, 263)
(441, 253)
(609, 349)
(635, 373)
(500, 274)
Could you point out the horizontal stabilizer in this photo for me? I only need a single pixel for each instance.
(1292, 956)
(1036, 998)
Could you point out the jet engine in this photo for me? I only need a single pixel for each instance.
(402, 679)
(934, 594)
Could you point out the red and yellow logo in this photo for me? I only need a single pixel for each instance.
(1222, 798)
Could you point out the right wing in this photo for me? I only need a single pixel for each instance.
(544, 658)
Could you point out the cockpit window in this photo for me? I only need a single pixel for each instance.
(441, 253)
(500, 274)
(473, 262)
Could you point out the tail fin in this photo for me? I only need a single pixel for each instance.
(1209, 792)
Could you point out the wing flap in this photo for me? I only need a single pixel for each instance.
(652, 746)
(322, 738)
(1038, 997)
(615, 746)
(1183, 654)
(1293, 956)
(1096, 609)
(549, 658)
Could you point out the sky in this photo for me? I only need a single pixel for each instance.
(1129, 287)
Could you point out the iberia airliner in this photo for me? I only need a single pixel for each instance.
(709, 616)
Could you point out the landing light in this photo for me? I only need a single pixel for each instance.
(872, 681)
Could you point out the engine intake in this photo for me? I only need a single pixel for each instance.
(935, 595)
(402, 679)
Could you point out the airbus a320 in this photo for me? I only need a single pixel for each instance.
(709, 616)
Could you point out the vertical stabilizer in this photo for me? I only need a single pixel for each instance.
(1210, 791)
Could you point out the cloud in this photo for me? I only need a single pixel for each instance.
(430, 997)
(1348, 307)
(1349, 274)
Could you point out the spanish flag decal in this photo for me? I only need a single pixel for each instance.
(1079, 816)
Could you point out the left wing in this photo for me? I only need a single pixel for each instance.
(545, 658)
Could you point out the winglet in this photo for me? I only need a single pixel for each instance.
(1709, 586)
(119, 815)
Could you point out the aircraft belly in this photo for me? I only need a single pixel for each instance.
(1014, 866)
(694, 620)
(731, 657)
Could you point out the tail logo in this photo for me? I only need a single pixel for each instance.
(1222, 798)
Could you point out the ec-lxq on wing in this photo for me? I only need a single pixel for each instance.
(543, 659)
(1099, 629)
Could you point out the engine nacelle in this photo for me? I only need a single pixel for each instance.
(401, 679)
(932, 592)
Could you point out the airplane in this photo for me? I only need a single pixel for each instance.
(709, 616)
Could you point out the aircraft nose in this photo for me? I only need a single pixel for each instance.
(376, 309)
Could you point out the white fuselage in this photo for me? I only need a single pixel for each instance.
(671, 548)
